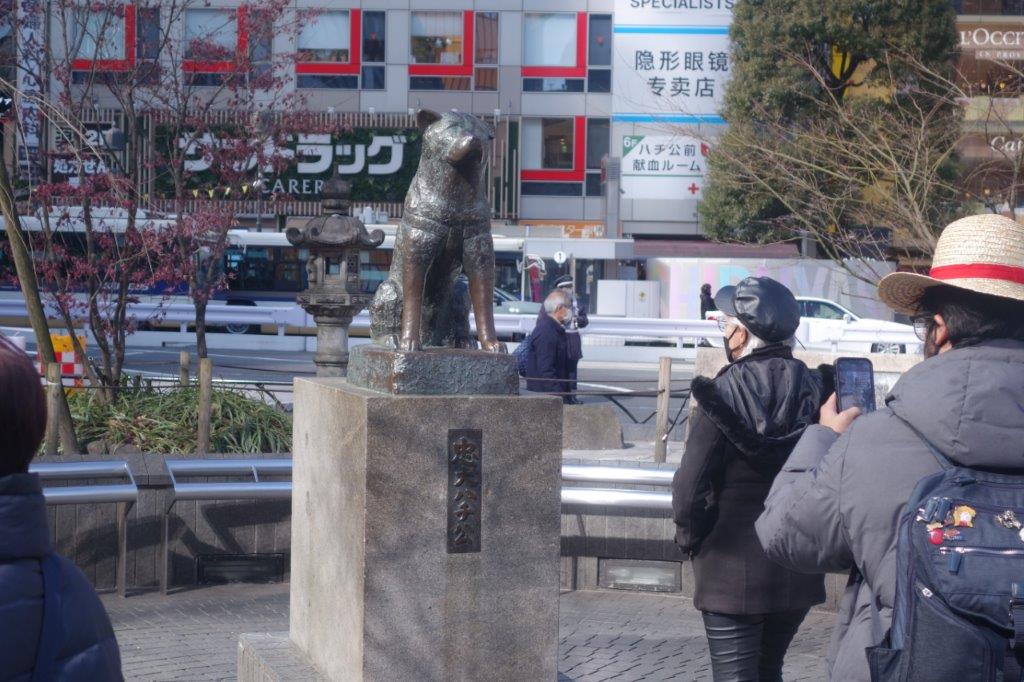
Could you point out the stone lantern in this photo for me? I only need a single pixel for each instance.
(333, 296)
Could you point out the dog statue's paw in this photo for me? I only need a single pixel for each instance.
(409, 344)
(494, 346)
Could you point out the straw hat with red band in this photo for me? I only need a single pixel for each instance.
(980, 253)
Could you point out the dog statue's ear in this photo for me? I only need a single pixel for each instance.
(425, 118)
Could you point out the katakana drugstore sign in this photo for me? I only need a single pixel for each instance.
(671, 59)
(658, 167)
(379, 163)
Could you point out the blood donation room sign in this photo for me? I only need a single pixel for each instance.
(656, 167)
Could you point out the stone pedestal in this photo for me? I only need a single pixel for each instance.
(409, 564)
(433, 371)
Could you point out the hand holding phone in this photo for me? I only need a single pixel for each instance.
(855, 384)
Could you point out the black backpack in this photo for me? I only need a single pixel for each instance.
(959, 610)
(522, 353)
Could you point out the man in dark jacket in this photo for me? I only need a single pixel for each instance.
(835, 505)
(746, 421)
(577, 321)
(52, 625)
(547, 359)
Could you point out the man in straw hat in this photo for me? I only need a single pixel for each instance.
(835, 504)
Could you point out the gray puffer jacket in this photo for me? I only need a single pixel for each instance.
(836, 502)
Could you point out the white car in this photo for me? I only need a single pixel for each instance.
(827, 326)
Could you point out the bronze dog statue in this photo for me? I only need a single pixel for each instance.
(445, 231)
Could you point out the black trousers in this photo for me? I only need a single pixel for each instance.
(750, 648)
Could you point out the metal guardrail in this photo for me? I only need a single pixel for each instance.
(619, 498)
(681, 332)
(254, 489)
(123, 495)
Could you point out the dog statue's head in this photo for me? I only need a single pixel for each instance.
(456, 137)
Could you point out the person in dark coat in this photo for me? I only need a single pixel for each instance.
(707, 302)
(836, 503)
(547, 358)
(577, 322)
(52, 624)
(746, 422)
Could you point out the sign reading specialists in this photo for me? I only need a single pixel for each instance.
(674, 12)
(657, 167)
(672, 60)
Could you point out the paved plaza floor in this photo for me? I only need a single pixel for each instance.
(605, 635)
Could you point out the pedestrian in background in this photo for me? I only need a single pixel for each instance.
(707, 302)
(746, 422)
(547, 357)
(572, 331)
(52, 624)
(836, 503)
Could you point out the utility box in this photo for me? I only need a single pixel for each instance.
(628, 298)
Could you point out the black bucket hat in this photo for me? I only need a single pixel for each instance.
(765, 307)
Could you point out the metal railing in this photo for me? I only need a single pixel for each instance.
(619, 498)
(253, 489)
(123, 495)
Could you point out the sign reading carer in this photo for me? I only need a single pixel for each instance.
(671, 60)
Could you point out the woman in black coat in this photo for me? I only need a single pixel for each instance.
(747, 421)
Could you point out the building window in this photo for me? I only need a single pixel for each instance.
(326, 54)
(104, 41)
(373, 50)
(598, 143)
(549, 39)
(148, 33)
(437, 38)
(554, 49)
(442, 51)
(548, 144)
(599, 53)
(553, 151)
(485, 60)
(211, 35)
(100, 35)
(325, 37)
(373, 37)
(260, 44)
(211, 45)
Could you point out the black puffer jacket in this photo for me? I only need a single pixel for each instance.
(747, 421)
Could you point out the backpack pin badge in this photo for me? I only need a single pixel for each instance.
(1009, 520)
(963, 516)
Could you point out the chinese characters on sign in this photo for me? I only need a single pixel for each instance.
(671, 59)
(655, 167)
(670, 74)
(687, 76)
(465, 472)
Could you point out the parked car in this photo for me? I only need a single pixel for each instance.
(826, 325)
(510, 304)
(826, 320)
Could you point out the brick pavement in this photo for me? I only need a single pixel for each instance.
(605, 635)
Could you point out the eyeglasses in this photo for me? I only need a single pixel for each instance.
(723, 324)
(922, 324)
